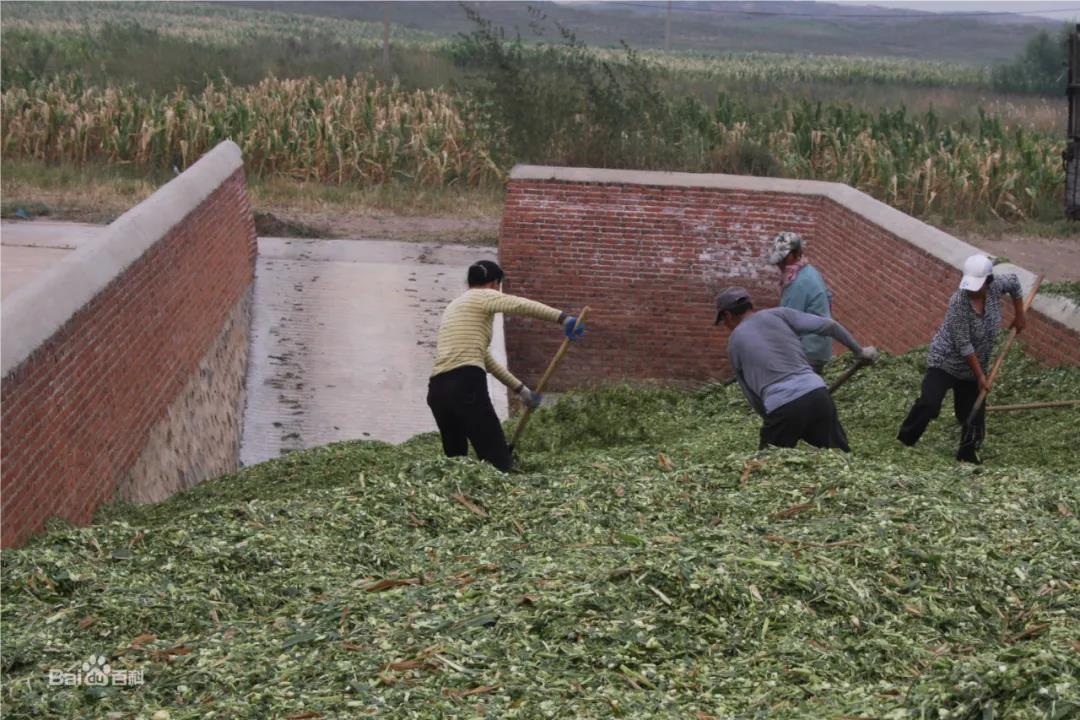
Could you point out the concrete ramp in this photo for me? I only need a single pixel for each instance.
(343, 340)
(28, 249)
(342, 337)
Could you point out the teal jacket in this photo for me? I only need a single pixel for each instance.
(807, 293)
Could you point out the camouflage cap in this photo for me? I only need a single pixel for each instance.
(783, 244)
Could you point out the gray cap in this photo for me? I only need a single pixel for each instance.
(729, 299)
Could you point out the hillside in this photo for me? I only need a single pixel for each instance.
(784, 27)
(644, 562)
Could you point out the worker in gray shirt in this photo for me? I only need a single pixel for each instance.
(770, 364)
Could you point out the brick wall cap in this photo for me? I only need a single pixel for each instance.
(669, 179)
(937, 243)
(34, 313)
(1055, 307)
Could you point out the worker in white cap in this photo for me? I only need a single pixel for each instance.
(960, 353)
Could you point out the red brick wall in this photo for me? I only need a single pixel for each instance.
(648, 260)
(77, 412)
(893, 294)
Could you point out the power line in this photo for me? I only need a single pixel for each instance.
(845, 16)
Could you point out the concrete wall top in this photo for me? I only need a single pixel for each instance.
(935, 242)
(32, 314)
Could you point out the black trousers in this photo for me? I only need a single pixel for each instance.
(935, 384)
(462, 408)
(811, 418)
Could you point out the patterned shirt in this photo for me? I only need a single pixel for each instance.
(964, 332)
(465, 332)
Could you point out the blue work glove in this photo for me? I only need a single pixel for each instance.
(568, 328)
(529, 398)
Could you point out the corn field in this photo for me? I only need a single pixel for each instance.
(914, 163)
(358, 131)
(334, 131)
(761, 67)
(224, 25)
(198, 22)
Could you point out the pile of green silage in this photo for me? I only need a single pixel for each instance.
(644, 562)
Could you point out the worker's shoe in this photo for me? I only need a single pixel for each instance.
(969, 456)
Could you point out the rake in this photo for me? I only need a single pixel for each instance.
(552, 366)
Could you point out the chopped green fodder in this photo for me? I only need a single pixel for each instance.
(645, 562)
(1069, 289)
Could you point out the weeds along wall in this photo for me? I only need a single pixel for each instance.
(648, 251)
(124, 363)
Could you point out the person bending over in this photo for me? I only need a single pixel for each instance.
(457, 391)
(769, 363)
(960, 352)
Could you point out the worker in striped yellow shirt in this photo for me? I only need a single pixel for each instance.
(457, 392)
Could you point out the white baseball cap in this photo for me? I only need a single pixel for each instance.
(976, 269)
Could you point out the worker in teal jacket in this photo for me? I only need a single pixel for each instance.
(802, 288)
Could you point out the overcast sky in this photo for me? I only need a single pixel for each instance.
(1060, 10)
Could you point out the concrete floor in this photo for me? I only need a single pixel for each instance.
(343, 340)
(27, 249)
(343, 332)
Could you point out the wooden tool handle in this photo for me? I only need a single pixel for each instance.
(859, 365)
(1004, 351)
(547, 376)
(1034, 405)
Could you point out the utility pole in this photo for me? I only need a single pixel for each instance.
(667, 28)
(386, 39)
(1072, 150)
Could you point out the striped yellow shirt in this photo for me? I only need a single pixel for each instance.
(465, 332)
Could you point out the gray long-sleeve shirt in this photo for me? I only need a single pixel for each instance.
(768, 358)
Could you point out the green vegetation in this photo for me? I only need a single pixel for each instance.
(556, 105)
(338, 130)
(153, 60)
(153, 86)
(1043, 67)
(1070, 290)
(218, 25)
(99, 193)
(161, 46)
(158, 46)
(897, 33)
(644, 563)
(92, 192)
